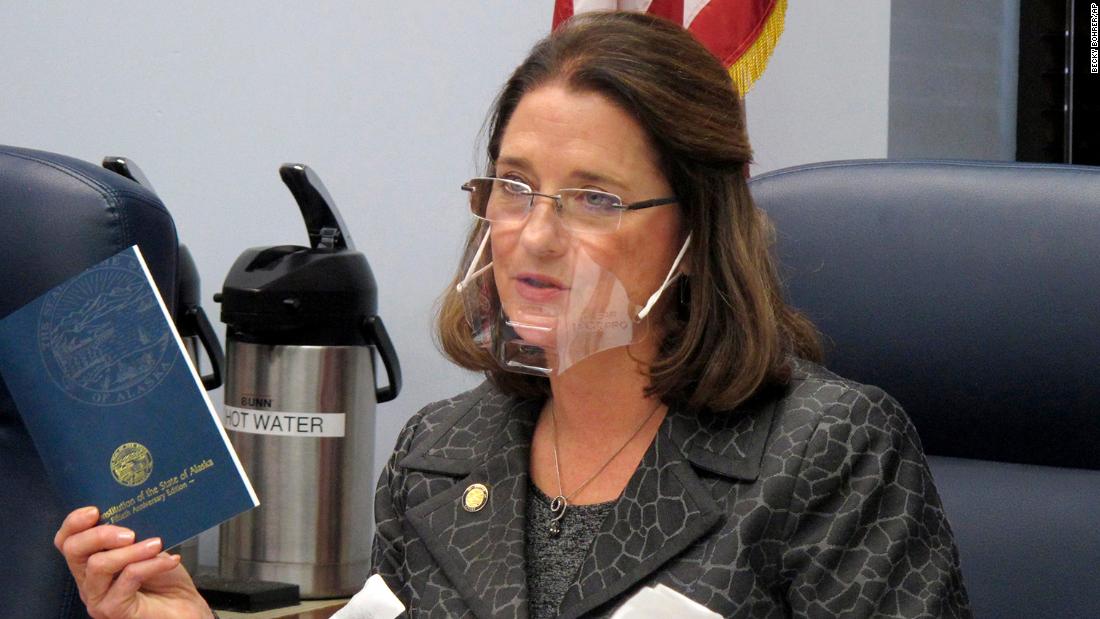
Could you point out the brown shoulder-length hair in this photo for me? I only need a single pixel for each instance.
(731, 333)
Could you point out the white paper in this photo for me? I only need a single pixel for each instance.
(660, 602)
(374, 601)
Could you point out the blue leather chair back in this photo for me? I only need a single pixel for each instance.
(58, 216)
(970, 291)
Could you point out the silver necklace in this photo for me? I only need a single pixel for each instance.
(561, 502)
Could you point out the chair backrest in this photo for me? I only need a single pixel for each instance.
(971, 292)
(59, 215)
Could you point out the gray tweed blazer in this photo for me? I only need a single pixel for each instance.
(815, 501)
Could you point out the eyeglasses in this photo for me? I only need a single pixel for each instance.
(500, 200)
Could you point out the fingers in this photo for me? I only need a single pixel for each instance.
(80, 547)
(102, 567)
(86, 543)
(111, 570)
(77, 521)
(78, 542)
(129, 582)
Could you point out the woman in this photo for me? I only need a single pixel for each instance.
(650, 416)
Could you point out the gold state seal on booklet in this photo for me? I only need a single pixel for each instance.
(131, 464)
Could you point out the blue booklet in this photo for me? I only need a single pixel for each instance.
(115, 408)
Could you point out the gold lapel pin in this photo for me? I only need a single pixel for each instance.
(475, 497)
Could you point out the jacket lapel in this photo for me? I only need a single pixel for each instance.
(481, 552)
(666, 507)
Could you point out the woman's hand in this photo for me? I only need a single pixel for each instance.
(119, 579)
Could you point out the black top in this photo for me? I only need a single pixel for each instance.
(553, 561)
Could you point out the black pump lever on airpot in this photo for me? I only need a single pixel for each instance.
(129, 169)
(323, 221)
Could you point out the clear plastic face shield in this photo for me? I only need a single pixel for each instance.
(545, 320)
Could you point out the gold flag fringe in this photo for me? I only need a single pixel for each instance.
(750, 66)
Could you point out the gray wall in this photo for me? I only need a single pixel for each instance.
(953, 69)
(824, 95)
(385, 101)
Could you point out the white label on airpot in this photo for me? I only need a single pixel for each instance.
(281, 423)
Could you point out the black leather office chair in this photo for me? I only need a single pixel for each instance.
(971, 292)
(58, 216)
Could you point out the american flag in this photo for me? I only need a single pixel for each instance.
(740, 33)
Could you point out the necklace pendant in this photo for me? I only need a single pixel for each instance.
(557, 507)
